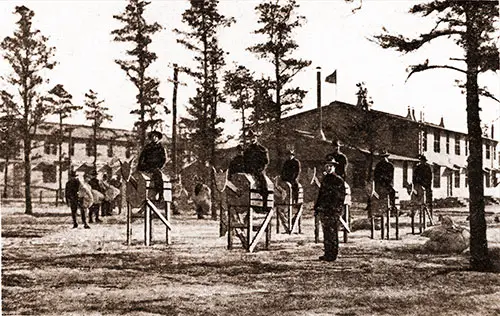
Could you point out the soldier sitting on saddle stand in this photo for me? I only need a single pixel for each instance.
(151, 160)
(383, 175)
(422, 180)
(237, 164)
(290, 173)
(256, 158)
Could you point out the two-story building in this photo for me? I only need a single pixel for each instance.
(366, 133)
(77, 153)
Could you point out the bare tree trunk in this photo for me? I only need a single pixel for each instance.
(27, 173)
(6, 177)
(478, 243)
(59, 143)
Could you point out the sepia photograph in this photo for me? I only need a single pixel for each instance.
(250, 157)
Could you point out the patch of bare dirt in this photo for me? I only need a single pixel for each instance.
(48, 268)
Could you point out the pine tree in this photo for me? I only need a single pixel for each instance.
(96, 112)
(279, 21)
(62, 107)
(138, 32)
(238, 88)
(29, 55)
(10, 133)
(471, 24)
(204, 22)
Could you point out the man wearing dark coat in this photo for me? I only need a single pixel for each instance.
(290, 173)
(256, 158)
(152, 159)
(72, 199)
(340, 158)
(237, 164)
(422, 176)
(95, 185)
(329, 208)
(383, 175)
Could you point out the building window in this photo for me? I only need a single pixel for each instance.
(128, 152)
(437, 176)
(457, 145)
(49, 174)
(71, 148)
(405, 173)
(457, 178)
(488, 152)
(493, 151)
(487, 179)
(447, 143)
(466, 182)
(110, 150)
(437, 142)
(466, 147)
(358, 176)
(89, 149)
(46, 147)
(424, 140)
(54, 149)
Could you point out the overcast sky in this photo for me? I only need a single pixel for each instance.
(333, 38)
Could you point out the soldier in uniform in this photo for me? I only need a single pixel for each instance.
(256, 158)
(422, 179)
(91, 179)
(237, 164)
(383, 175)
(72, 199)
(329, 207)
(340, 158)
(152, 159)
(290, 173)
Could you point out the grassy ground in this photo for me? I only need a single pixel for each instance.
(48, 268)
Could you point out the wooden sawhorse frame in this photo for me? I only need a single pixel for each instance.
(385, 204)
(139, 194)
(244, 198)
(286, 214)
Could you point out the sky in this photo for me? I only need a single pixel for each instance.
(333, 38)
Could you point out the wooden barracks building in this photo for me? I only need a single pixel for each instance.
(365, 133)
(77, 150)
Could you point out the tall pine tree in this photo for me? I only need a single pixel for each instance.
(62, 107)
(204, 22)
(29, 56)
(138, 32)
(471, 24)
(95, 112)
(279, 20)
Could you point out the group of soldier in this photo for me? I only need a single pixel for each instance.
(253, 160)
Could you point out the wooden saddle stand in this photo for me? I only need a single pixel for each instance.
(288, 211)
(139, 194)
(248, 215)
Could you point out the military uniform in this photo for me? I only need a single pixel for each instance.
(72, 199)
(94, 208)
(341, 159)
(329, 208)
(237, 165)
(151, 160)
(383, 176)
(290, 173)
(422, 176)
(255, 159)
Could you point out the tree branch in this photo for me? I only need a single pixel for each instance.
(425, 66)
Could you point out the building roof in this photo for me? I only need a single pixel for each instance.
(85, 132)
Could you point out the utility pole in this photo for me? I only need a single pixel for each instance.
(174, 121)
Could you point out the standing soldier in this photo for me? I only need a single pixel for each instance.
(329, 207)
(237, 164)
(340, 158)
(383, 175)
(72, 199)
(290, 173)
(256, 158)
(152, 159)
(422, 180)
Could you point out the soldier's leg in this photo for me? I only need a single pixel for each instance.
(157, 180)
(97, 207)
(327, 223)
(74, 207)
(84, 220)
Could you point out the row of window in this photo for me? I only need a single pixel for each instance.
(51, 149)
(437, 145)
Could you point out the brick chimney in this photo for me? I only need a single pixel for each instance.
(441, 123)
